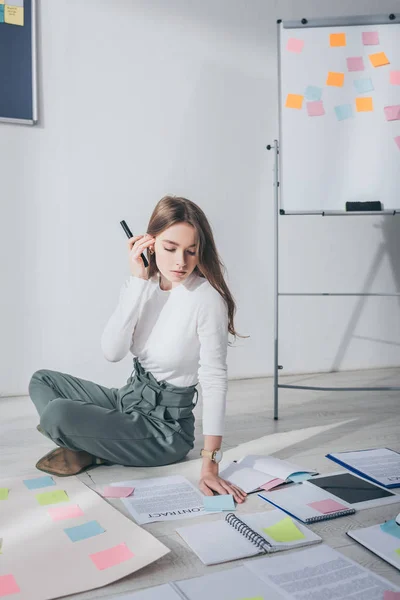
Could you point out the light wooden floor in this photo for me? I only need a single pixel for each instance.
(311, 425)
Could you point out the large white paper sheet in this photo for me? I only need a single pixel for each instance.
(41, 558)
(380, 464)
(274, 467)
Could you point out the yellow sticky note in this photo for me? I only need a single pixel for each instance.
(398, 551)
(379, 59)
(3, 493)
(52, 497)
(284, 531)
(336, 79)
(337, 39)
(14, 15)
(294, 101)
(364, 104)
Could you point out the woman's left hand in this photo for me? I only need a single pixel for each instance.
(211, 482)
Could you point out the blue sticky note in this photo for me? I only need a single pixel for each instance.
(224, 502)
(82, 532)
(344, 111)
(313, 93)
(364, 85)
(299, 477)
(391, 528)
(1, 13)
(39, 482)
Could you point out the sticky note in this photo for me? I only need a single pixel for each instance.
(294, 101)
(397, 141)
(392, 113)
(395, 77)
(39, 482)
(335, 79)
(315, 109)
(355, 63)
(3, 493)
(337, 39)
(391, 528)
(223, 502)
(14, 15)
(284, 531)
(52, 497)
(1, 13)
(379, 60)
(363, 85)
(313, 93)
(60, 513)
(111, 557)
(299, 477)
(8, 586)
(398, 551)
(388, 595)
(295, 45)
(344, 111)
(327, 506)
(364, 104)
(82, 532)
(272, 484)
(117, 492)
(370, 38)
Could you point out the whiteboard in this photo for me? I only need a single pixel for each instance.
(344, 154)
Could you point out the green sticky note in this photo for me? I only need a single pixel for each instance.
(284, 531)
(3, 493)
(52, 497)
(398, 551)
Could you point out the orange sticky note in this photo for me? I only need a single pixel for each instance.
(294, 101)
(336, 79)
(379, 59)
(364, 104)
(337, 39)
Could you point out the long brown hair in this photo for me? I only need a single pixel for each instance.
(171, 210)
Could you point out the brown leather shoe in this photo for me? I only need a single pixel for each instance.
(64, 463)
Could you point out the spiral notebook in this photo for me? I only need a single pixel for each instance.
(308, 503)
(235, 538)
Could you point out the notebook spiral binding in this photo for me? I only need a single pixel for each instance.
(249, 533)
(340, 513)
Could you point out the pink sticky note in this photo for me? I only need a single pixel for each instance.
(370, 38)
(111, 491)
(59, 513)
(392, 113)
(355, 63)
(111, 557)
(397, 140)
(272, 484)
(395, 77)
(315, 109)
(391, 595)
(8, 585)
(295, 45)
(327, 506)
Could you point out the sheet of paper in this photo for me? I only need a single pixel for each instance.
(364, 104)
(318, 573)
(246, 478)
(52, 497)
(14, 15)
(355, 63)
(41, 557)
(163, 499)
(391, 528)
(61, 513)
(313, 93)
(114, 491)
(159, 592)
(397, 141)
(327, 506)
(370, 38)
(84, 531)
(379, 59)
(284, 531)
(295, 45)
(8, 586)
(392, 113)
(315, 109)
(223, 502)
(381, 464)
(1, 545)
(337, 39)
(395, 77)
(39, 482)
(274, 467)
(383, 544)
(335, 79)
(363, 85)
(294, 101)
(3, 493)
(111, 557)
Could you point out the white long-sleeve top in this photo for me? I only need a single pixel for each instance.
(180, 336)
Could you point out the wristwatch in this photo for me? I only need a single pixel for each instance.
(214, 455)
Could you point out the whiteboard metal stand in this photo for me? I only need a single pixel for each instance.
(277, 293)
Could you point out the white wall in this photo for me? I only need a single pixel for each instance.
(139, 98)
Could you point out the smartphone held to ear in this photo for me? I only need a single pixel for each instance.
(129, 235)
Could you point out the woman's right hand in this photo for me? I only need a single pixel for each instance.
(136, 246)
